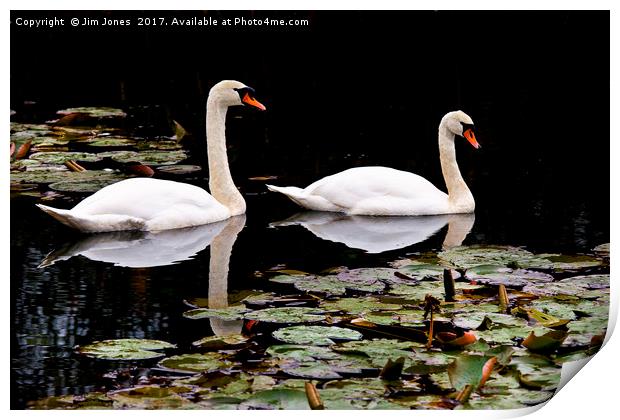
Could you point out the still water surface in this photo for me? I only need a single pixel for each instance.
(133, 285)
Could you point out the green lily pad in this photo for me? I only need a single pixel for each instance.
(312, 370)
(315, 335)
(92, 400)
(355, 394)
(301, 353)
(422, 271)
(222, 341)
(58, 158)
(151, 397)
(513, 278)
(148, 157)
(474, 320)
(590, 286)
(94, 112)
(190, 363)
(572, 262)
(232, 313)
(51, 175)
(86, 186)
(467, 370)
(358, 305)
(277, 399)
(122, 156)
(111, 142)
(285, 315)
(125, 349)
(466, 257)
(537, 377)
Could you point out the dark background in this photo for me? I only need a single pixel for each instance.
(352, 88)
(359, 88)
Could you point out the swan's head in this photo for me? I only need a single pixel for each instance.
(233, 93)
(462, 125)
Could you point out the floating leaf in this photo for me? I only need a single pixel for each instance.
(179, 169)
(466, 257)
(451, 340)
(581, 286)
(125, 349)
(471, 370)
(359, 305)
(94, 112)
(293, 315)
(221, 341)
(277, 399)
(602, 249)
(58, 158)
(111, 142)
(315, 335)
(301, 353)
(93, 400)
(195, 362)
(84, 186)
(562, 262)
(513, 278)
(231, 313)
(546, 343)
(151, 397)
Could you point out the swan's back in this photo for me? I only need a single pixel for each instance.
(376, 189)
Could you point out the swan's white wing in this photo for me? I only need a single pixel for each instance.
(161, 204)
(378, 190)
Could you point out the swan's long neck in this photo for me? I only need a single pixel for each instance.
(460, 198)
(220, 181)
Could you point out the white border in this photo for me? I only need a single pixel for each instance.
(591, 395)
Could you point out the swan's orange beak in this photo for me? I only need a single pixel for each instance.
(253, 102)
(469, 135)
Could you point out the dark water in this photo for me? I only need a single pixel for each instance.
(340, 98)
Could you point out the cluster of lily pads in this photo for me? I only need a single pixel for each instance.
(366, 338)
(91, 138)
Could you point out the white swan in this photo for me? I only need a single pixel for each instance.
(381, 191)
(154, 204)
(379, 234)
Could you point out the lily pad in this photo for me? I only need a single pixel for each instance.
(315, 335)
(422, 271)
(94, 112)
(546, 343)
(285, 315)
(148, 157)
(112, 142)
(223, 341)
(474, 320)
(179, 169)
(86, 186)
(190, 363)
(513, 278)
(471, 370)
(591, 286)
(92, 400)
(151, 397)
(355, 394)
(301, 353)
(466, 257)
(602, 249)
(231, 313)
(277, 399)
(58, 158)
(563, 262)
(358, 305)
(125, 349)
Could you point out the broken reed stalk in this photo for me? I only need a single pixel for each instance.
(314, 400)
(448, 284)
(429, 344)
(464, 394)
(73, 166)
(504, 303)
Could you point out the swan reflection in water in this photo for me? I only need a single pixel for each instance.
(385, 233)
(154, 249)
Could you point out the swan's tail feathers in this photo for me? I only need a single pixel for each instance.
(294, 193)
(94, 223)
